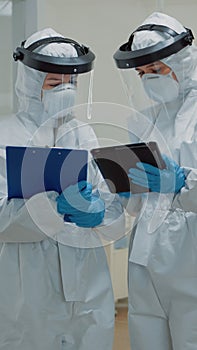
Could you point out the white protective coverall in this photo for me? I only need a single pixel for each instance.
(54, 295)
(163, 250)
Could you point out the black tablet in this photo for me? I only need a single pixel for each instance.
(114, 163)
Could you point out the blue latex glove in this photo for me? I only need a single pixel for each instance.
(80, 206)
(168, 180)
(125, 194)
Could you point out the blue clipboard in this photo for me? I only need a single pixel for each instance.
(31, 170)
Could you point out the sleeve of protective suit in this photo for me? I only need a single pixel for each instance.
(186, 199)
(16, 224)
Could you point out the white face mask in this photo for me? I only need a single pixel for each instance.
(160, 88)
(59, 98)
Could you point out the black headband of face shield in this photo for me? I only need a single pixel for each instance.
(126, 58)
(51, 64)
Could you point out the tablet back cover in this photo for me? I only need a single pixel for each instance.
(32, 170)
(114, 163)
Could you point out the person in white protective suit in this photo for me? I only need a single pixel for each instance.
(163, 250)
(55, 290)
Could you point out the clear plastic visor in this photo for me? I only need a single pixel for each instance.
(62, 92)
(134, 89)
(152, 84)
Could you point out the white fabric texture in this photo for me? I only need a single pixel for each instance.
(163, 259)
(54, 294)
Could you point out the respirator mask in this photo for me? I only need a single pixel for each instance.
(60, 98)
(160, 88)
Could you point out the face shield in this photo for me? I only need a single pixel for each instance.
(54, 75)
(146, 71)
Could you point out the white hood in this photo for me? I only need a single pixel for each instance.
(29, 81)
